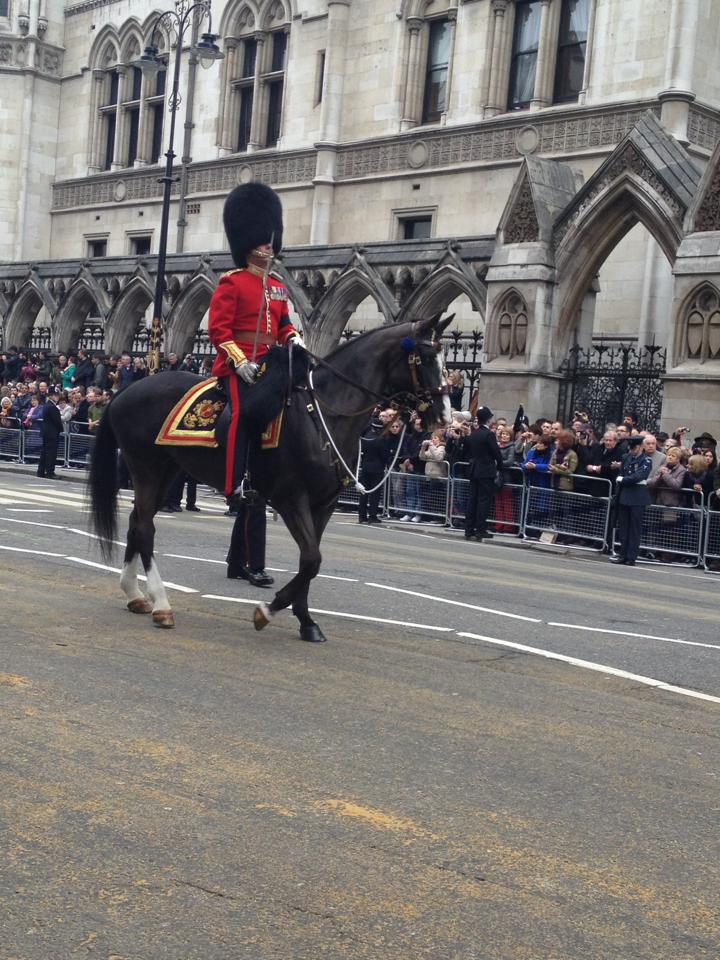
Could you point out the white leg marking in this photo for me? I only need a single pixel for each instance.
(129, 580)
(156, 588)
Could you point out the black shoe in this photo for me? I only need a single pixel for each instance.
(374, 520)
(470, 536)
(233, 574)
(258, 578)
(51, 476)
(485, 536)
(192, 508)
(618, 560)
(166, 508)
(362, 520)
(629, 563)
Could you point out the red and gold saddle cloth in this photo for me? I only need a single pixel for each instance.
(194, 418)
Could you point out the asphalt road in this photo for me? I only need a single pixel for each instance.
(421, 786)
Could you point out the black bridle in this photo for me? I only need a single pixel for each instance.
(405, 401)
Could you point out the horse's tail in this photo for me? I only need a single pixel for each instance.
(103, 485)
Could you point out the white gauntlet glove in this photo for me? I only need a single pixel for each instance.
(297, 341)
(247, 371)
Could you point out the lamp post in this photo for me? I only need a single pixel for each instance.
(184, 13)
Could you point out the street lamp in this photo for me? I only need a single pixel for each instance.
(184, 13)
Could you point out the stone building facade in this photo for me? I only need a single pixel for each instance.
(546, 168)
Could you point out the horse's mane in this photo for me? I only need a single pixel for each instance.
(368, 335)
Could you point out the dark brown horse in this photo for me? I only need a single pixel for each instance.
(301, 478)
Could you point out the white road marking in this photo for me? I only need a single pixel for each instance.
(19, 496)
(39, 553)
(326, 576)
(639, 636)
(455, 603)
(338, 613)
(28, 510)
(103, 566)
(597, 667)
(182, 556)
(60, 526)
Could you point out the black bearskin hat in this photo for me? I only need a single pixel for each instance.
(252, 216)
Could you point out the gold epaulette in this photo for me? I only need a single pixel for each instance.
(231, 272)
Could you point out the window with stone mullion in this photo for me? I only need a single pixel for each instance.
(572, 47)
(243, 90)
(152, 132)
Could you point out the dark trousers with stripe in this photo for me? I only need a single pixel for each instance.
(237, 440)
(480, 501)
(247, 544)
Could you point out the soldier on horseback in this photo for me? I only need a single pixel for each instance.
(248, 310)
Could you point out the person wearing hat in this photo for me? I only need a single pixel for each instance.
(706, 441)
(249, 308)
(632, 498)
(486, 463)
(50, 429)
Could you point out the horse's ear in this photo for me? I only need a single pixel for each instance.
(442, 326)
(429, 324)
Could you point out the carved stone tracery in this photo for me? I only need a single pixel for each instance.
(522, 225)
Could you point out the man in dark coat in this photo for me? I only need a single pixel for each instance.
(84, 370)
(50, 429)
(633, 496)
(482, 451)
(12, 365)
(246, 556)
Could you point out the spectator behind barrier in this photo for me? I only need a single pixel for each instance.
(668, 480)
(564, 461)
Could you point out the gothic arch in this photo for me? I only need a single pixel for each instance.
(82, 297)
(270, 11)
(234, 12)
(184, 319)
(440, 288)
(126, 313)
(340, 300)
(583, 245)
(105, 51)
(21, 316)
(698, 342)
(131, 39)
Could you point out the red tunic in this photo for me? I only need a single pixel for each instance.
(233, 320)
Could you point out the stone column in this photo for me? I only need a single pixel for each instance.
(226, 133)
(452, 20)
(503, 13)
(412, 84)
(547, 54)
(589, 51)
(143, 148)
(95, 164)
(656, 302)
(120, 120)
(680, 68)
(257, 139)
(330, 119)
(486, 73)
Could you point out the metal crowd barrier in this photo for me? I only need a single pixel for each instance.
(79, 445)
(506, 515)
(669, 531)
(711, 546)
(11, 439)
(581, 517)
(410, 494)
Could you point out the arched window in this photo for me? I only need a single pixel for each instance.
(702, 326)
(512, 326)
(436, 70)
(129, 107)
(255, 66)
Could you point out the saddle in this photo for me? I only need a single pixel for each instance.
(201, 418)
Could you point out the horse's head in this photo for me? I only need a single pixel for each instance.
(427, 369)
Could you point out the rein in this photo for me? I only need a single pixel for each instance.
(420, 400)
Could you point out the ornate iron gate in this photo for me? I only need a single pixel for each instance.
(610, 380)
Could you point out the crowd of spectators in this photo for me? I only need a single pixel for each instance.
(546, 453)
(80, 384)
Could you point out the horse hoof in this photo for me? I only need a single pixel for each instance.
(163, 619)
(312, 634)
(139, 605)
(261, 617)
